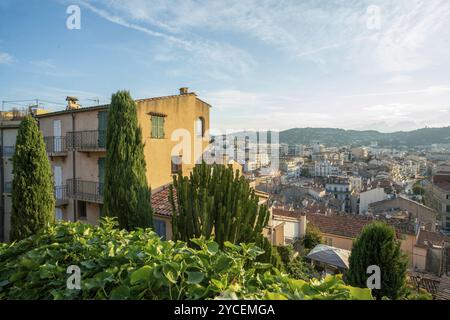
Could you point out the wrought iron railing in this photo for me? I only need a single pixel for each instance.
(55, 144)
(87, 140)
(8, 151)
(60, 194)
(91, 191)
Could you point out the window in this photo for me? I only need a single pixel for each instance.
(448, 197)
(81, 209)
(157, 127)
(448, 208)
(447, 223)
(160, 228)
(176, 166)
(200, 127)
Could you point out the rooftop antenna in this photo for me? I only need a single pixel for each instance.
(95, 99)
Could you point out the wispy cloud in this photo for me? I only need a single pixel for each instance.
(223, 59)
(6, 58)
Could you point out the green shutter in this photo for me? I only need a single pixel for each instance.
(102, 125)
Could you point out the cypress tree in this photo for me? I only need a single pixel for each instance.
(126, 192)
(377, 245)
(33, 200)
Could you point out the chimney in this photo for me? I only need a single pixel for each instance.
(72, 103)
(184, 90)
(302, 231)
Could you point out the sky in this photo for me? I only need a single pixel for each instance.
(262, 64)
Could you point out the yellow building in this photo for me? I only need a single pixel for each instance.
(175, 133)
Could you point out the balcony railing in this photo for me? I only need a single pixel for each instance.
(55, 145)
(8, 151)
(61, 195)
(7, 187)
(93, 140)
(90, 191)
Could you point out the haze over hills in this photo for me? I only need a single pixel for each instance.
(339, 137)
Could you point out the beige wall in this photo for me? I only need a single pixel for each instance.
(181, 112)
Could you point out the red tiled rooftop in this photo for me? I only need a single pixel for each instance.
(160, 202)
(343, 225)
(433, 238)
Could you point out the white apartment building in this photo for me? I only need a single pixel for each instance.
(326, 168)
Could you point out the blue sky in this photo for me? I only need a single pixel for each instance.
(262, 64)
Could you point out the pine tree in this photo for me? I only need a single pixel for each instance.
(377, 245)
(33, 200)
(216, 201)
(126, 192)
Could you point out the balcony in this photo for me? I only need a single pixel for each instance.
(56, 146)
(87, 141)
(61, 196)
(8, 151)
(90, 191)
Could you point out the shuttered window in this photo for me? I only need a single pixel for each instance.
(157, 127)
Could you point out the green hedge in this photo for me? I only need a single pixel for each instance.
(116, 264)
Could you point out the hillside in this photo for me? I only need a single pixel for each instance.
(338, 137)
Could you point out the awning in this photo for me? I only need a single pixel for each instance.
(330, 255)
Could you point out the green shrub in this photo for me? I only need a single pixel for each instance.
(117, 264)
(378, 245)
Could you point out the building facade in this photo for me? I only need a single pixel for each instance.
(175, 132)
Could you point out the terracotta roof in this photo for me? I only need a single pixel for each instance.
(433, 238)
(344, 225)
(340, 225)
(160, 202)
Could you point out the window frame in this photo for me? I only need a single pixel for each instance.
(157, 124)
(158, 223)
(200, 121)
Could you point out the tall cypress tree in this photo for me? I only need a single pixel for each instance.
(378, 245)
(126, 192)
(33, 200)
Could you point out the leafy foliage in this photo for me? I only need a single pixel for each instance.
(312, 237)
(116, 264)
(33, 200)
(294, 265)
(378, 245)
(126, 193)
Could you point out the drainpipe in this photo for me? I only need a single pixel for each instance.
(74, 171)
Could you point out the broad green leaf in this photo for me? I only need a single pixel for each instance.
(142, 274)
(213, 248)
(120, 293)
(275, 296)
(194, 277)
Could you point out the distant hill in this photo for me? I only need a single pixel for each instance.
(339, 137)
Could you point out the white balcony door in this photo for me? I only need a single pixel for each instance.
(57, 174)
(57, 147)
